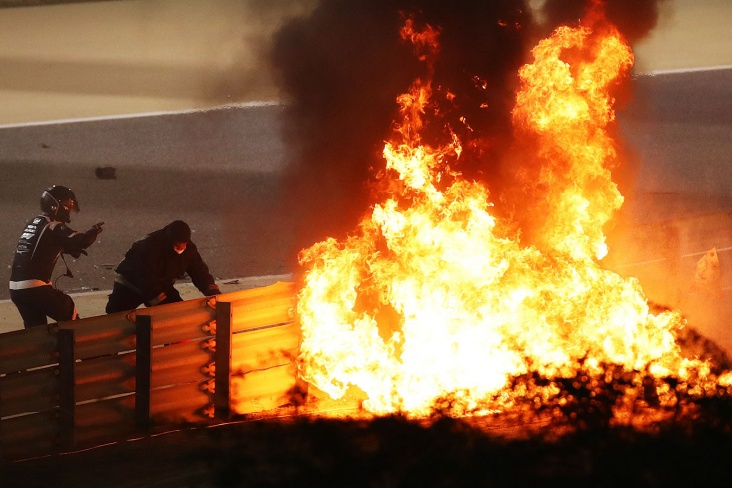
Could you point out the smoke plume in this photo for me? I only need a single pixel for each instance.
(343, 66)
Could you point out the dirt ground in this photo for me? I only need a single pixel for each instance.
(397, 452)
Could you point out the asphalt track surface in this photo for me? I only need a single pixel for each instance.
(679, 126)
(219, 170)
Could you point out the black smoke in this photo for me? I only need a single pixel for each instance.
(635, 19)
(343, 66)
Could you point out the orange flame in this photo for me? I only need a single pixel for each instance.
(429, 301)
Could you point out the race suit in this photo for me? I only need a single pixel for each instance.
(39, 247)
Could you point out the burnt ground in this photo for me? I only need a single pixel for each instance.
(396, 452)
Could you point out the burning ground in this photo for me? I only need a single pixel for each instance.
(471, 297)
(438, 300)
(468, 313)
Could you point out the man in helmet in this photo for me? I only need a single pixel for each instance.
(44, 239)
(152, 265)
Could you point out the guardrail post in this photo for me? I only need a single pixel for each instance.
(143, 371)
(67, 380)
(222, 357)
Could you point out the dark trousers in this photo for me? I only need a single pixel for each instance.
(124, 298)
(36, 304)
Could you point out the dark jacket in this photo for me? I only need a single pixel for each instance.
(151, 267)
(39, 247)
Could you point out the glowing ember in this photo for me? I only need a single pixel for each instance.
(429, 301)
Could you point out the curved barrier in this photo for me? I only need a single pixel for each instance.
(77, 384)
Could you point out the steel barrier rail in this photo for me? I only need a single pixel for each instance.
(664, 255)
(81, 383)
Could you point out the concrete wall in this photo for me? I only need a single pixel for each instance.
(106, 58)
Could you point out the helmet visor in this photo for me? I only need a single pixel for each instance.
(71, 205)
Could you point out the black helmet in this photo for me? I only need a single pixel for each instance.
(58, 202)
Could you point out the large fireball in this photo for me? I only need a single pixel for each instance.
(429, 300)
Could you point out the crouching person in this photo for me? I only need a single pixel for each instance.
(151, 266)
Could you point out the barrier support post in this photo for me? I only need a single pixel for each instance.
(67, 380)
(222, 392)
(143, 371)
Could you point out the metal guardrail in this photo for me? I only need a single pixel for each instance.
(81, 383)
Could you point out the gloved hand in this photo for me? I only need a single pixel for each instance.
(161, 296)
(97, 227)
(213, 290)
